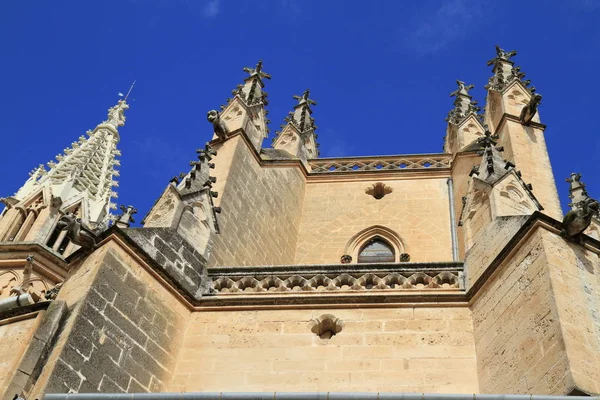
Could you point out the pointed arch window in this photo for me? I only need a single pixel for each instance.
(376, 250)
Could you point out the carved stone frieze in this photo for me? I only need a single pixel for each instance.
(324, 166)
(336, 279)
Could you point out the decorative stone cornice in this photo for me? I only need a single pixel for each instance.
(383, 163)
(337, 277)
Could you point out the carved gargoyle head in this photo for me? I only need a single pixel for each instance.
(212, 115)
(67, 221)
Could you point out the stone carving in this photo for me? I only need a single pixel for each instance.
(52, 293)
(380, 164)
(346, 259)
(116, 114)
(77, 231)
(583, 208)
(463, 104)
(326, 326)
(15, 282)
(529, 110)
(338, 282)
(220, 129)
(404, 257)
(503, 55)
(378, 190)
(580, 217)
(126, 217)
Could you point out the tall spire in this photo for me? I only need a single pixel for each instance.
(464, 105)
(300, 118)
(505, 71)
(87, 168)
(251, 92)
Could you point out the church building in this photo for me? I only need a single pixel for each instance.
(269, 269)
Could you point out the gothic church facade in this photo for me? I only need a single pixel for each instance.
(269, 269)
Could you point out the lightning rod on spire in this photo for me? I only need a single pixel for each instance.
(127, 95)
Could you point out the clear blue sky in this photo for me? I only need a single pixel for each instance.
(381, 72)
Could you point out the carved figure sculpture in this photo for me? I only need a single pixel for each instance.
(219, 126)
(580, 217)
(346, 259)
(52, 293)
(528, 112)
(77, 232)
(126, 217)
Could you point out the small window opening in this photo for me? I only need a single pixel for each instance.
(376, 250)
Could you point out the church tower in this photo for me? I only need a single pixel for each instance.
(80, 182)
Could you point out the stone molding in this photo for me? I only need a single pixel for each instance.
(384, 163)
(337, 278)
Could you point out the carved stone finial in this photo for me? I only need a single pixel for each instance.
(257, 71)
(116, 114)
(304, 98)
(219, 126)
(346, 259)
(529, 110)
(502, 55)
(463, 104)
(126, 217)
(462, 89)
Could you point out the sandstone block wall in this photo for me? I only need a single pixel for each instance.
(575, 279)
(518, 337)
(529, 152)
(14, 339)
(261, 210)
(385, 349)
(334, 211)
(123, 333)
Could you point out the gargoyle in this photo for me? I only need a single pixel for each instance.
(528, 112)
(77, 232)
(219, 126)
(580, 217)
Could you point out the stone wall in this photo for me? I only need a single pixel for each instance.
(14, 338)
(123, 333)
(379, 349)
(490, 242)
(518, 336)
(336, 210)
(575, 278)
(261, 210)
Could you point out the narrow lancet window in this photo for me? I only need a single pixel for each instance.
(376, 250)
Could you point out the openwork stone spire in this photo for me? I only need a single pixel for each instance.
(464, 105)
(87, 167)
(251, 92)
(505, 72)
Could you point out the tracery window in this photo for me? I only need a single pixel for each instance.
(376, 250)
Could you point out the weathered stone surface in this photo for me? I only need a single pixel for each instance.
(178, 259)
(118, 342)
